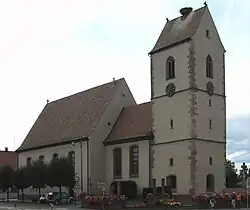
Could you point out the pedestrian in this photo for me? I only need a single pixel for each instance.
(212, 201)
(238, 201)
(50, 201)
(233, 200)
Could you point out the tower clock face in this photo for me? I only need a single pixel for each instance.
(210, 88)
(170, 89)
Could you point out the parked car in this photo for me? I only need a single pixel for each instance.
(43, 199)
(54, 197)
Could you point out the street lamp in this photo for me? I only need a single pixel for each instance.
(81, 170)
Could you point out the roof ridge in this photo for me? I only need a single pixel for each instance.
(174, 33)
(147, 102)
(99, 86)
(192, 11)
(136, 105)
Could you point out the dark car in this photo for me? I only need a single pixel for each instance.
(42, 199)
(54, 197)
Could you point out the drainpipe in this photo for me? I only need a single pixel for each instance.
(88, 177)
(81, 167)
(151, 144)
(150, 163)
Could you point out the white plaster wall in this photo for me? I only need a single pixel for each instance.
(164, 109)
(216, 151)
(215, 112)
(122, 98)
(179, 152)
(62, 151)
(143, 180)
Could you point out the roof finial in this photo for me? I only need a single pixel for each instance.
(114, 80)
(47, 101)
(205, 3)
(167, 19)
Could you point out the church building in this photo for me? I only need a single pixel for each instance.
(178, 137)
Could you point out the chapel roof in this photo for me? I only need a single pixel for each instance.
(134, 122)
(70, 118)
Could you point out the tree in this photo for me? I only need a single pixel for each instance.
(38, 175)
(232, 178)
(243, 173)
(21, 179)
(6, 174)
(61, 173)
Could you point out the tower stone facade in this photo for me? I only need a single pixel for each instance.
(189, 109)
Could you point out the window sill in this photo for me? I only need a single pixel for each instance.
(209, 190)
(134, 176)
(117, 177)
(170, 78)
(174, 190)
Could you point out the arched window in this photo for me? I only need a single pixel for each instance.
(209, 67)
(55, 156)
(172, 182)
(41, 158)
(170, 68)
(210, 183)
(28, 161)
(117, 163)
(134, 161)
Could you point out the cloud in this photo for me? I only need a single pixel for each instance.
(50, 49)
(238, 139)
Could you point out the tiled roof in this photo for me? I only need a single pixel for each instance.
(178, 30)
(134, 121)
(8, 158)
(70, 118)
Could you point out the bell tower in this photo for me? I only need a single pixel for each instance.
(188, 104)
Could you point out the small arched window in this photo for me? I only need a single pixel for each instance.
(170, 68)
(117, 162)
(210, 183)
(55, 156)
(41, 158)
(172, 182)
(209, 67)
(28, 161)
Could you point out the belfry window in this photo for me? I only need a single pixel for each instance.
(170, 68)
(209, 67)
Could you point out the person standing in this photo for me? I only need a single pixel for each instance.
(238, 201)
(233, 201)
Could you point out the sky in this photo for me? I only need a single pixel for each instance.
(51, 49)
